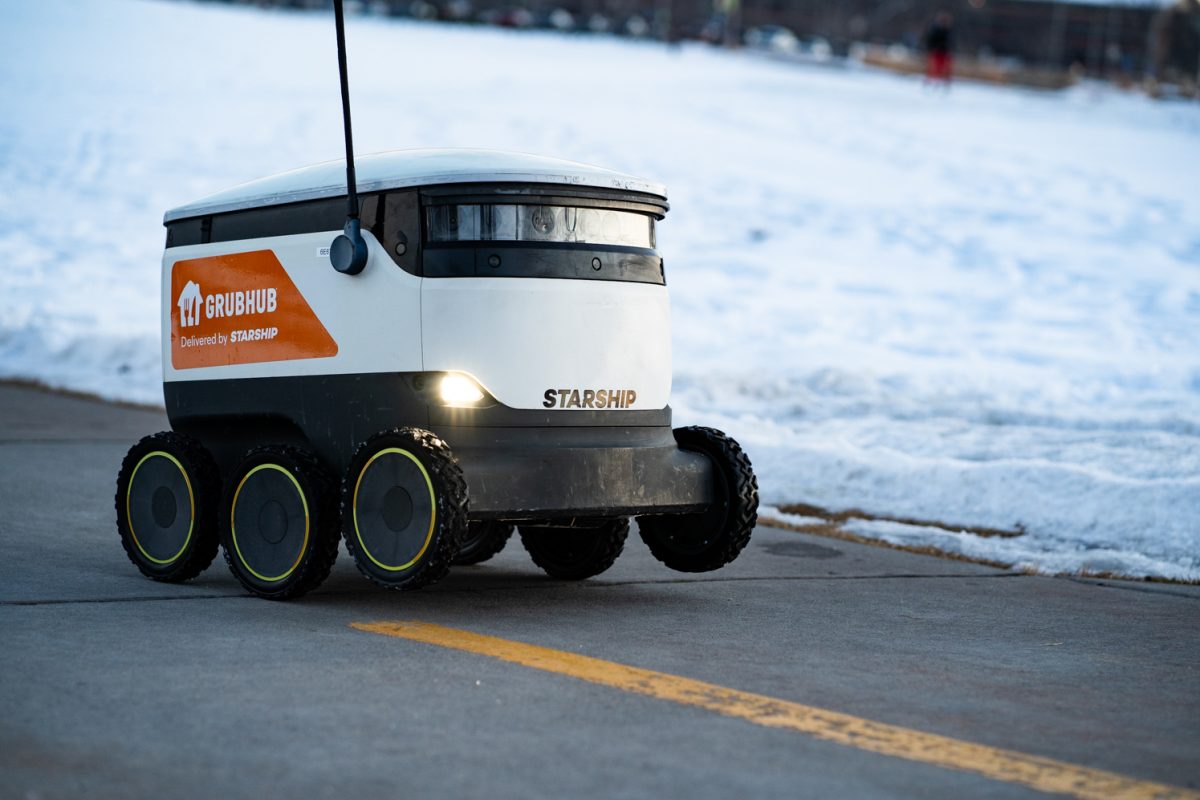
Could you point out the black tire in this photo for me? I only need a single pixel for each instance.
(711, 539)
(404, 508)
(484, 540)
(573, 554)
(161, 476)
(279, 522)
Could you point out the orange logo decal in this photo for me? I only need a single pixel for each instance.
(241, 308)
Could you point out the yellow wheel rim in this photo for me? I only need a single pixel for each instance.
(233, 527)
(432, 513)
(191, 507)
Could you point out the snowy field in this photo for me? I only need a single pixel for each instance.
(980, 308)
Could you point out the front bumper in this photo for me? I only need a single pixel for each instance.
(542, 473)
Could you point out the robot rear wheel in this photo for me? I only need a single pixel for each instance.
(573, 554)
(484, 539)
(167, 495)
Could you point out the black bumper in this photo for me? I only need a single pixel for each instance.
(540, 473)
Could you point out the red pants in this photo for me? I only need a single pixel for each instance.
(939, 66)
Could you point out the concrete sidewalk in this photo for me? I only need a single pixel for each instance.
(115, 686)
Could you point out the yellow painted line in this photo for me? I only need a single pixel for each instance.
(1042, 774)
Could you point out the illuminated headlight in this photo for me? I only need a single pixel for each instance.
(459, 391)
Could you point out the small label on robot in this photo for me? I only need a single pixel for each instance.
(202, 341)
(254, 335)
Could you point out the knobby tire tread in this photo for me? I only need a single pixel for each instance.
(206, 490)
(450, 490)
(494, 539)
(610, 540)
(742, 484)
(318, 562)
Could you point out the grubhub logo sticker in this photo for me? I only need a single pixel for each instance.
(241, 308)
(190, 301)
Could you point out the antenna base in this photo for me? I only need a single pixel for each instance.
(348, 253)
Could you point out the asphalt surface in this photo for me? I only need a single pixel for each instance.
(115, 686)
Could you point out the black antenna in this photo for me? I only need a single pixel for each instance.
(348, 253)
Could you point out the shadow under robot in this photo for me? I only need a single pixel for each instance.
(503, 360)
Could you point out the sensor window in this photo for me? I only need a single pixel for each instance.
(539, 223)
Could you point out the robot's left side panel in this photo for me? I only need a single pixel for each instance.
(263, 334)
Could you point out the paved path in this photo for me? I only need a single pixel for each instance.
(114, 686)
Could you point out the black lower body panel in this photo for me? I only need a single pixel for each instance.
(518, 464)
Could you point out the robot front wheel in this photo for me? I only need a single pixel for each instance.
(708, 540)
(404, 509)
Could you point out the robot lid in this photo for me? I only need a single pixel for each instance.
(411, 168)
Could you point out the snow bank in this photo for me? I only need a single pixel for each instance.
(979, 307)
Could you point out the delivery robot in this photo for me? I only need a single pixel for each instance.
(497, 357)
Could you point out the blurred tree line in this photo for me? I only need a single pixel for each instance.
(1125, 40)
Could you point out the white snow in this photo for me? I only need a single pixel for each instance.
(979, 307)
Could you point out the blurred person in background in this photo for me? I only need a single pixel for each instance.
(939, 49)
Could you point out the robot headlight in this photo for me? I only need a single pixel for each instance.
(460, 391)
(530, 223)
